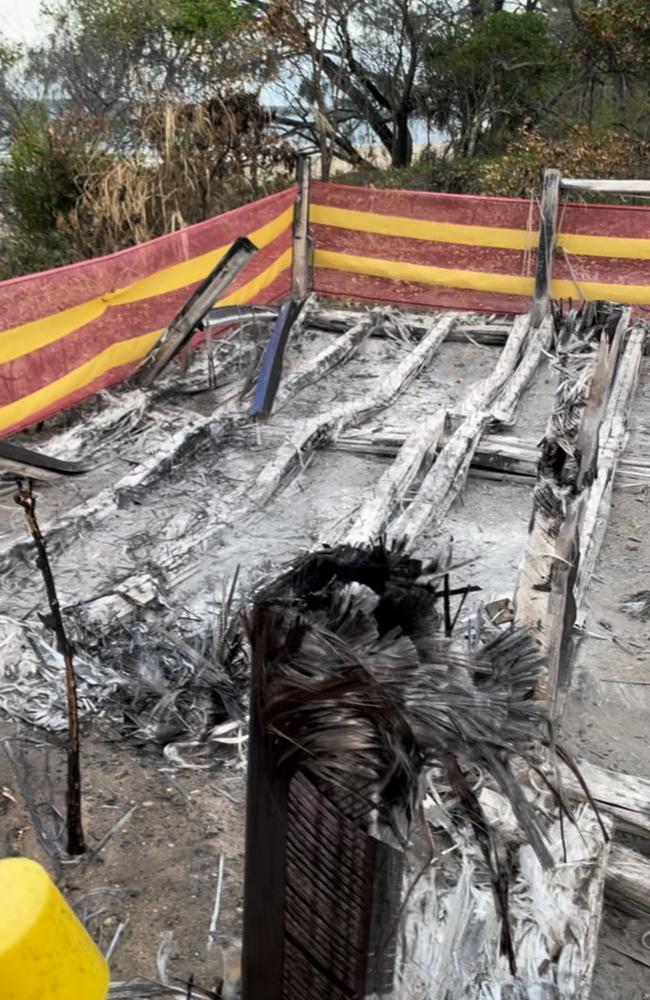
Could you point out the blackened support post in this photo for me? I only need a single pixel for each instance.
(266, 844)
(300, 272)
(546, 246)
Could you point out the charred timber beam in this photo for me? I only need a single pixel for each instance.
(328, 426)
(337, 321)
(442, 484)
(202, 300)
(332, 356)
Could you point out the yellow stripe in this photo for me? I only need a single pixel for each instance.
(476, 236)
(30, 337)
(605, 246)
(423, 229)
(478, 281)
(123, 353)
(396, 270)
(190, 271)
(256, 285)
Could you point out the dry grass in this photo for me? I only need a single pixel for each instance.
(185, 163)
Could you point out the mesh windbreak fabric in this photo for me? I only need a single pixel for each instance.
(67, 333)
(470, 252)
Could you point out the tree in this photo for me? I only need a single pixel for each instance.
(135, 117)
(489, 75)
(103, 55)
(358, 64)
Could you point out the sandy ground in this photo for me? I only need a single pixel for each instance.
(158, 873)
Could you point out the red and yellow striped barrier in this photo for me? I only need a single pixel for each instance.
(468, 252)
(66, 334)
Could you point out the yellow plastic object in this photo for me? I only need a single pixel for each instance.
(45, 952)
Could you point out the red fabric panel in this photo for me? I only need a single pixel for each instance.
(274, 292)
(610, 270)
(631, 221)
(35, 295)
(340, 284)
(448, 255)
(24, 375)
(471, 210)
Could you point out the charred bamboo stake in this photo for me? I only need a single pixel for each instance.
(76, 842)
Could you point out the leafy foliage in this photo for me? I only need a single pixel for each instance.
(135, 117)
(487, 79)
(581, 153)
(615, 36)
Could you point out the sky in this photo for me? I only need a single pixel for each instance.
(20, 20)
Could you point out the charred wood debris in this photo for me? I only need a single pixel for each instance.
(382, 717)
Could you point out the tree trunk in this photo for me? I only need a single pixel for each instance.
(402, 151)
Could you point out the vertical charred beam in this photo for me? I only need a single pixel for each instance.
(300, 271)
(266, 843)
(546, 246)
(76, 841)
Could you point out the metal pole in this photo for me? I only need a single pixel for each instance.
(546, 246)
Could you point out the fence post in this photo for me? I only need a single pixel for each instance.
(546, 246)
(300, 283)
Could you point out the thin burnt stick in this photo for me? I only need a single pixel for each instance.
(76, 842)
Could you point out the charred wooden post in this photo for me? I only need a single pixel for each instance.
(546, 245)
(321, 896)
(301, 266)
(576, 468)
(202, 300)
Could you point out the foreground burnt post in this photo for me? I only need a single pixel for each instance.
(76, 842)
(321, 896)
(356, 692)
